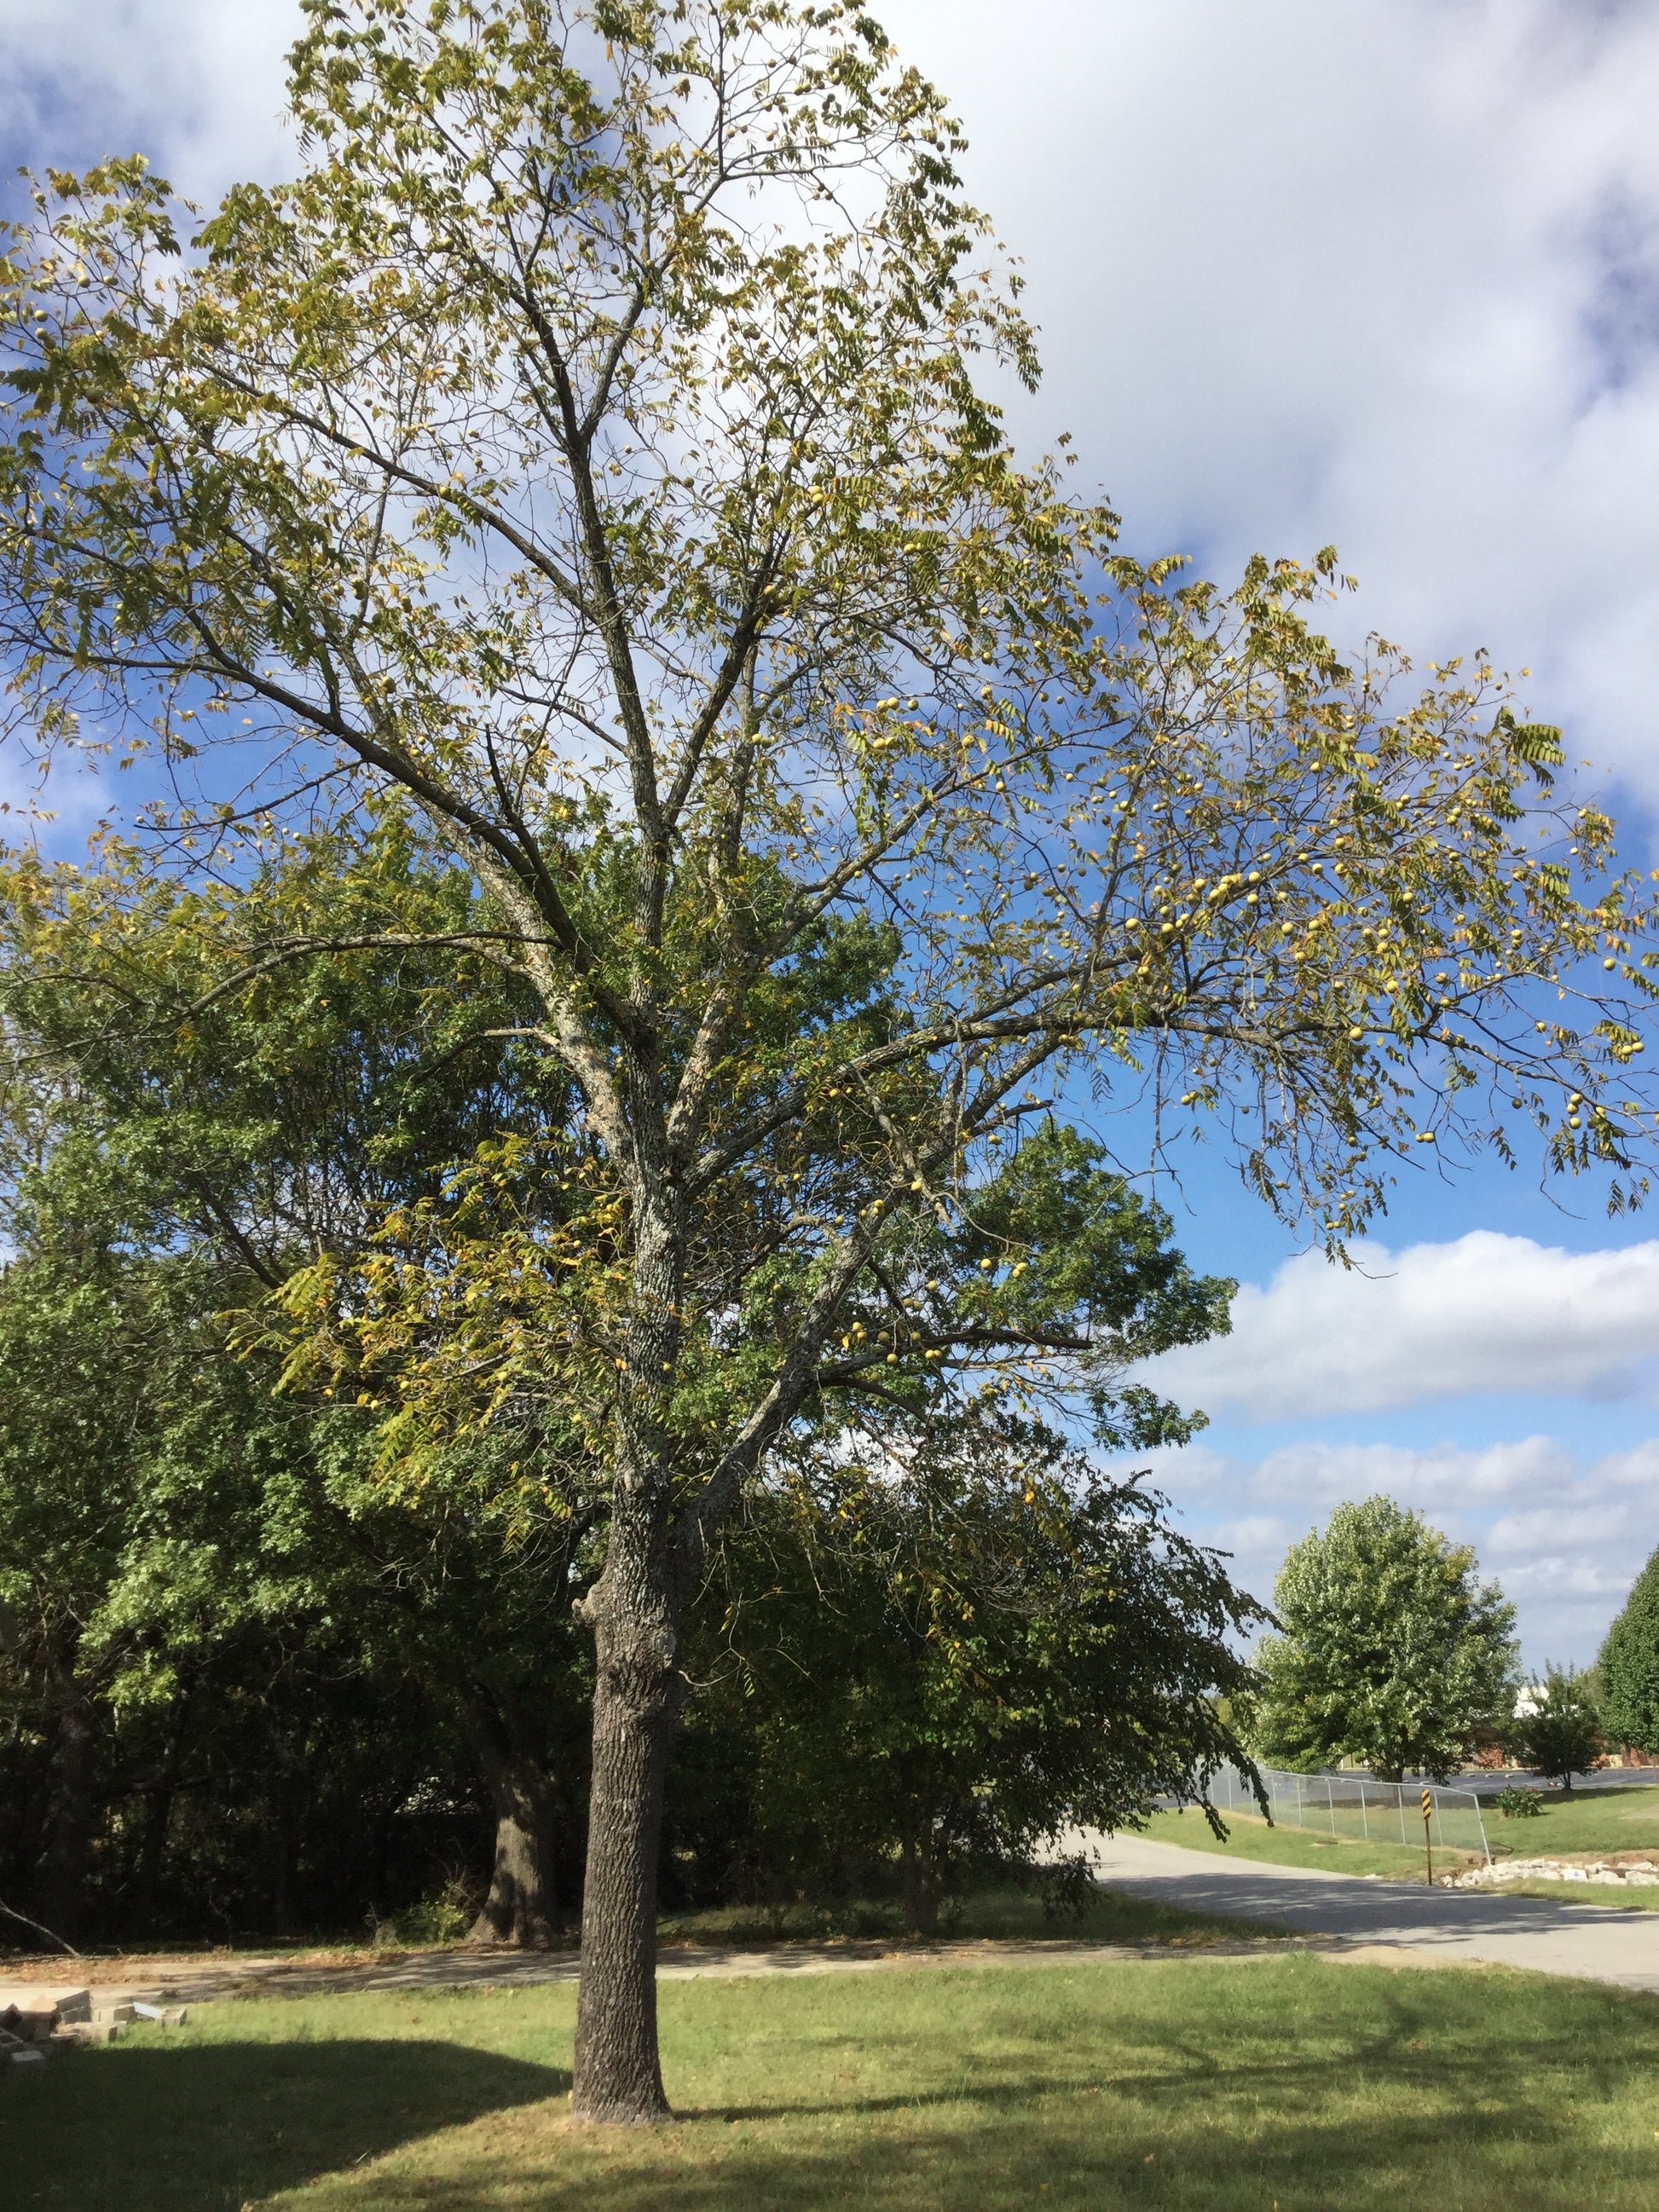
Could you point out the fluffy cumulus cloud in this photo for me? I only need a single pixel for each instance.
(1385, 274)
(1485, 1316)
(196, 85)
(1486, 1313)
(1565, 1537)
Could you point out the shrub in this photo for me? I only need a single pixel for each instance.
(1515, 1804)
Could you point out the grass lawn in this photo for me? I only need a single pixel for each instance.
(989, 1915)
(1208, 2086)
(1590, 1820)
(1248, 1837)
(1601, 1895)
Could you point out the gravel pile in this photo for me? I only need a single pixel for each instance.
(1624, 1873)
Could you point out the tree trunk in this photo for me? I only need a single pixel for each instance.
(522, 1907)
(637, 1696)
(292, 1800)
(158, 1818)
(62, 1889)
(921, 1884)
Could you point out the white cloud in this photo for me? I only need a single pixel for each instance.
(1638, 1467)
(1323, 1474)
(1485, 1312)
(1386, 274)
(1559, 1530)
(1565, 1539)
(195, 84)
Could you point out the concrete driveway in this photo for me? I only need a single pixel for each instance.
(1452, 1926)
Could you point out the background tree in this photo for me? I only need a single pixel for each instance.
(289, 1120)
(329, 1109)
(1628, 1668)
(1557, 1728)
(961, 1644)
(588, 447)
(1389, 1650)
(138, 1466)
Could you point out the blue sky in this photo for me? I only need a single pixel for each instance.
(1384, 274)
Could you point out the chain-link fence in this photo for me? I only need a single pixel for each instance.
(1355, 1806)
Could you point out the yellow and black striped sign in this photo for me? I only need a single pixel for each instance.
(1428, 1803)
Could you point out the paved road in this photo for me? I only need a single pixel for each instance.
(1597, 1943)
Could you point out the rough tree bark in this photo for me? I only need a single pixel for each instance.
(633, 1611)
(638, 1694)
(522, 1905)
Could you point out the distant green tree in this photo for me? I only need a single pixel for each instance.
(1390, 1652)
(1557, 1729)
(1629, 1667)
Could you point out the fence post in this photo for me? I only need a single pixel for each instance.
(1398, 1789)
(1364, 1825)
(1330, 1803)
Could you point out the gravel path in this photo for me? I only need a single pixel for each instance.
(1447, 1927)
(199, 1981)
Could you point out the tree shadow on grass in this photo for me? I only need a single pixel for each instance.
(206, 2127)
(1407, 2111)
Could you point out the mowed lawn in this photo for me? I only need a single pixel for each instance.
(1206, 2085)
(1589, 1820)
(1249, 1837)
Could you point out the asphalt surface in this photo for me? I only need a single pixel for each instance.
(1450, 1926)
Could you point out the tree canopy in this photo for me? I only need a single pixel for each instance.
(958, 1643)
(589, 450)
(1629, 1665)
(327, 1110)
(1557, 1728)
(1388, 1650)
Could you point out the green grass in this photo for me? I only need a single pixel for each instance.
(1589, 1820)
(1582, 1892)
(1206, 2086)
(1249, 1837)
(983, 1916)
